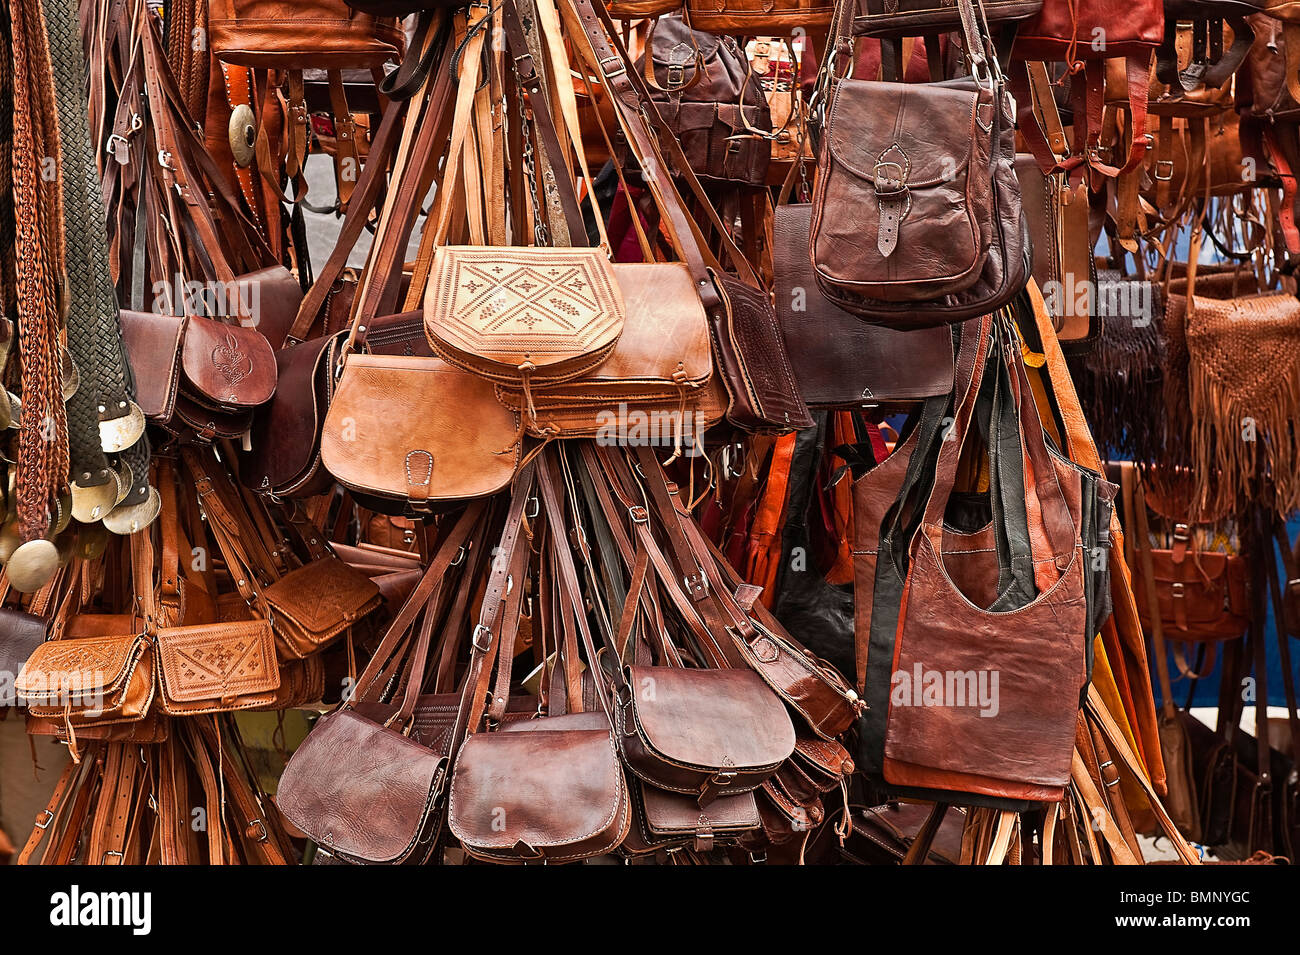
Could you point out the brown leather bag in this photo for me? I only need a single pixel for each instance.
(826, 343)
(758, 17)
(917, 220)
(311, 606)
(274, 34)
(886, 18)
(100, 671)
(21, 634)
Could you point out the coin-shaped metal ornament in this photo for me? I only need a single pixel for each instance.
(94, 494)
(64, 516)
(31, 565)
(92, 540)
(15, 410)
(125, 481)
(123, 429)
(66, 545)
(6, 410)
(128, 517)
(71, 374)
(243, 134)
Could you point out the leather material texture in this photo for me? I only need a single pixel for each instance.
(21, 634)
(153, 347)
(102, 678)
(312, 606)
(539, 314)
(750, 17)
(550, 788)
(361, 791)
(288, 34)
(450, 448)
(826, 344)
(703, 732)
(886, 18)
(217, 668)
(228, 367)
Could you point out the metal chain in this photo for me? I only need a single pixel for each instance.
(540, 233)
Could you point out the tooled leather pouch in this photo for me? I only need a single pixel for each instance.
(104, 678)
(225, 366)
(217, 667)
(523, 316)
(660, 719)
(314, 604)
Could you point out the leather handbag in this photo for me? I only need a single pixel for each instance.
(274, 34)
(100, 671)
(825, 343)
(758, 17)
(945, 237)
(217, 667)
(311, 606)
(363, 789)
(21, 634)
(698, 83)
(884, 18)
(528, 317)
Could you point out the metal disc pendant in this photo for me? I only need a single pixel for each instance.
(15, 410)
(71, 375)
(92, 540)
(127, 518)
(243, 134)
(31, 565)
(64, 516)
(118, 434)
(125, 481)
(91, 501)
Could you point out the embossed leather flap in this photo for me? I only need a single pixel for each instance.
(417, 429)
(217, 661)
(228, 366)
(711, 718)
(550, 313)
(153, 347)
(318, 601)
(546, 784)
(81, 669)
(346, 768)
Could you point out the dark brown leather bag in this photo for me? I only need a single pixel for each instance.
(826, 343)
(885, 18)
(20, 635)
(759, 17)
(917, 220)
(698, 83)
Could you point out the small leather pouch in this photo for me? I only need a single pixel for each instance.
(523, 316)
(666, 820)
(21, 634)
(311, 606)
(228, 367)
(105, 678)
(217, 667)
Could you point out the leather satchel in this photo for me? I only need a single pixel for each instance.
(892, 18)
(217, 667)
(527, 317)
(759, 17)
(826, 343)
(101, 671)
(311, 606)
(945, 238)
(21, 634)
(275, 34)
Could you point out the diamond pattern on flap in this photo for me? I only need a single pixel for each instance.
(507, 304)
(218, 661)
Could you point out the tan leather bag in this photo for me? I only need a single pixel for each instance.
(298, 34)
(100, 673)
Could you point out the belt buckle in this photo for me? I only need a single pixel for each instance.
(889, 186)
(1167, 176)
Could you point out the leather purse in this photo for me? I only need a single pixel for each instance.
(101, 671)
(758, 17)
(21, 634)
(311, 606)
(825, 343)
(698, 83)
(945, 238)
(275, 34)
(891, 18)
(217, 667)
(527, 317)
(363, 789)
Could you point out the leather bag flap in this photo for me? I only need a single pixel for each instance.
(324, 596)
(217, 661)
(80, 667)
(228, 365)
(711, 718)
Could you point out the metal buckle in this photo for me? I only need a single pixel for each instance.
(480, 631)
(1178, 590)
(886, 192)
(112, 852)
(638, 514)
(696, 584)
(455, 561)
(1182, 532)
(1169, 175)
(261, 828)
(46, 823)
